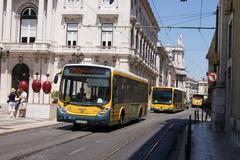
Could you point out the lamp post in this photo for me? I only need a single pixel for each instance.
(2, 53)
(77, 57)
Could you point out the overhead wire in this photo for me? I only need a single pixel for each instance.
(185, 17)
(201, 13)
(191, 20)
(154, 6)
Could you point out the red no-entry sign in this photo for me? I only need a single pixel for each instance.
(212, 77)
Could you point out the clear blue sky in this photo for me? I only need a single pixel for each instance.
(185, 14)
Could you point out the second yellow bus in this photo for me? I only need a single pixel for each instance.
(167, 99)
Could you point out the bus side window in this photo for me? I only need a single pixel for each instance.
(115, 91)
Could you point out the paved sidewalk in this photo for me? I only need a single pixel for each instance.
(209, 145)
(9, 125)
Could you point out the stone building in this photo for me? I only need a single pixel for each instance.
(163, 62)
(176, 55)
(191, 88)
(44, 35)
(224, 60)
(203, 87)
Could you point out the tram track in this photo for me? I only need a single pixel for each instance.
(154, 145)
(110, 153)
(161, 134)
(130, 140)
(22, 156)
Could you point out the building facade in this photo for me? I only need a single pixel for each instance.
(41, 36)
(176, 55)
(191, 88)
(164, 66)
(203, 88)
(224, 60)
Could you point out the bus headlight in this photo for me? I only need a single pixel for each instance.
(61, 109)
(103, 112)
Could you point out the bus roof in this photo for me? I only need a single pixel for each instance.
(113, 69)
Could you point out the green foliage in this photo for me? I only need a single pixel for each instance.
(54, 95)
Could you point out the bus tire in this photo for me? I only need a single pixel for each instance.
(140, 115)
(121, 119)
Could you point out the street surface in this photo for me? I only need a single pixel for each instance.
(152, 138)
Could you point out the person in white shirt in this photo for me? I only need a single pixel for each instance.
(23, 104)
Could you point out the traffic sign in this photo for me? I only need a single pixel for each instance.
(212, 77)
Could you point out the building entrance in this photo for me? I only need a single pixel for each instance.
(20, 72)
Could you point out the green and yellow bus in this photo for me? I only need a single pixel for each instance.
(100, 95)
(167, 99)
(197, 100)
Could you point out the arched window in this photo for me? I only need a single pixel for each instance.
(28, 25)
(108, 2)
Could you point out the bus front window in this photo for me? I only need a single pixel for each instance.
(162, 96)
(85, 86)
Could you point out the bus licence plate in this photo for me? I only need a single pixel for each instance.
(81, 122)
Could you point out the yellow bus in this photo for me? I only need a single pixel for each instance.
(167, 99)
(100, 95)
(197, 100)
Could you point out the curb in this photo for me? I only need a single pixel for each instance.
(25, 127)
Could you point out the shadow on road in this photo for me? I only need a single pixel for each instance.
(85, 128)
(162, 143)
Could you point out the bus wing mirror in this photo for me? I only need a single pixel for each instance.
(56, 78)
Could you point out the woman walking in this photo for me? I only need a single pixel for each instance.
(12, 102)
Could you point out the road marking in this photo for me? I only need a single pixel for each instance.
(101, 140)
(76, 151)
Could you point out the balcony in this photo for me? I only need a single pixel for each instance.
(91, 50)
(26, 47)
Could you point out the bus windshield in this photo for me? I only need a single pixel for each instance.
(162, 96)
(85, 85)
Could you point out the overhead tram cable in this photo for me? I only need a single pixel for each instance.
(169, 27)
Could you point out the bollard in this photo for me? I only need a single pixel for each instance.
(202, 113)
(198, 115)
(187, 153)
(188, 145)
(190, 123)
(195, 116)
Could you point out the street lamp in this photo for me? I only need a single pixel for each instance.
(2, 54)
(77, 57)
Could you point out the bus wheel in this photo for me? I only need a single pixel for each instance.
(121, 120)
(140, 115)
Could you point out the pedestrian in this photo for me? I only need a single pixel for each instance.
(23, 104)
(12, 102)
(18, 100)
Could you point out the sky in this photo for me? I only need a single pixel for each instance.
(196, 42)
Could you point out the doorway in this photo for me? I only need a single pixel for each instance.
(20, 72)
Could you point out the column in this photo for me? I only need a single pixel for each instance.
(40, 21)
(7, 29)
(1, 19)
(134, 37)
(49, 19)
